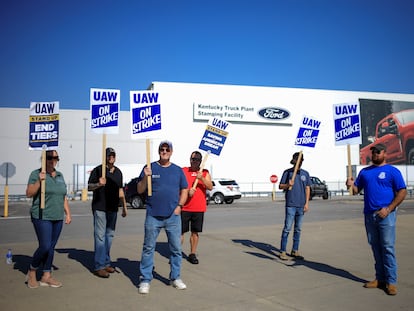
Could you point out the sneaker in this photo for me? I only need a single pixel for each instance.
(178, 284)
(144, 288)
(296, 255)
(193, 259)
(283, 256)
(375, 284)
(391, 289)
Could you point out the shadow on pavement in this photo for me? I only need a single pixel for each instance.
(265, 247)
(321, 267)
(129, 267)
(86, 258)
(80, 255)
(318, 266)
(22, 263)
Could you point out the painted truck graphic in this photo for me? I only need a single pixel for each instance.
(396, 131)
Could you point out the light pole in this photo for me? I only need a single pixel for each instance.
(85, 188)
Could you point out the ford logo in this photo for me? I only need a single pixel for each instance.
(273, 113)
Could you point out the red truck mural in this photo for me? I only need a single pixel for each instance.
(396, 131)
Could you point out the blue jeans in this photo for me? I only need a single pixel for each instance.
(172, 227)
(292, 214)
(381, 237)
(47, 232)
(104, 231)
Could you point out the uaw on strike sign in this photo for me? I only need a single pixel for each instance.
(44, 125)
(308, 132)
(347, 124)
(105, 110)
(145, 113)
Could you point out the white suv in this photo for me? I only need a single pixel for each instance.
(224, 190)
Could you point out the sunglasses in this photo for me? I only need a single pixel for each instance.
(195, 159)
(376, 151)
(164, 149)
(52, 158)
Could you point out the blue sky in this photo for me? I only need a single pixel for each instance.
(57, 50)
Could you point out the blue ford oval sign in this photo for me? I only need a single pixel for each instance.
(273, 113)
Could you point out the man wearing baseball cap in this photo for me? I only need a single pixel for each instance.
(384, 190)
(169, 194)
(378, 148)
(107, 192)
(297, 192)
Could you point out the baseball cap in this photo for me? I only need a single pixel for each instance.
(110, 151)
(165, 142)
(295, 158)
(378, 147)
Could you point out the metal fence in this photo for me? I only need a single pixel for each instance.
(248, 189)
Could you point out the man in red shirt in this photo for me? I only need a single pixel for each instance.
(193, 210)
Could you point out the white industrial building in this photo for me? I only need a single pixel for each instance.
(255, 149)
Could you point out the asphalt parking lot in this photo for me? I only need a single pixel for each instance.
(239, 266)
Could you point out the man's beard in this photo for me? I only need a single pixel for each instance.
(377, 161)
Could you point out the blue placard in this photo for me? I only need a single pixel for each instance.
(104, 116)
(308, 132)
(44, 125)
(105, 110)
(146, 119)
(145, 113)
(347, 123)
(214, 136)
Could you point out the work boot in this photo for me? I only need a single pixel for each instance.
(391, 289)
(375, 284)
(102, 273)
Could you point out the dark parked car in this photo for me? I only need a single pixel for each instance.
(132, 196)
(318, 188)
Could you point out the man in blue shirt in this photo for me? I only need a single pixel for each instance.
(297, 192)
(169, 194)
(384, 189)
